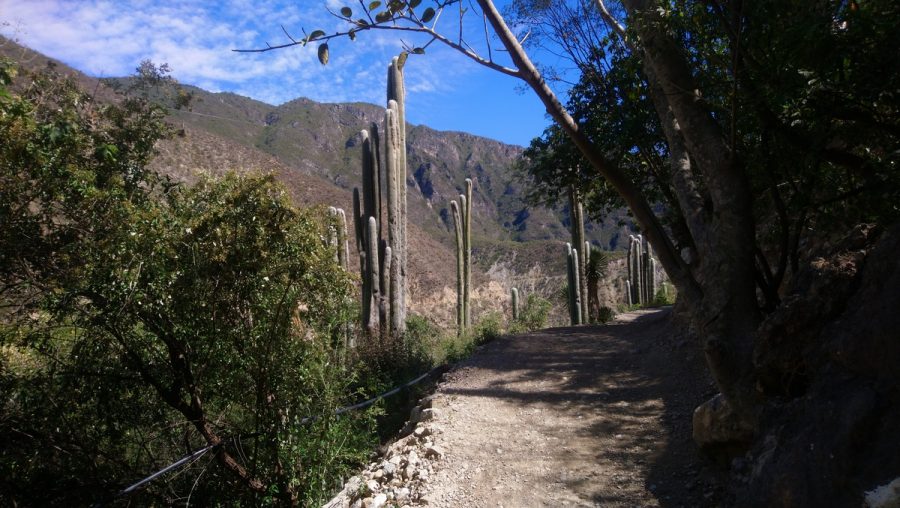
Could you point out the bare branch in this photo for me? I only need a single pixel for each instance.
(283, 29)
(487, 37)
(417, 27)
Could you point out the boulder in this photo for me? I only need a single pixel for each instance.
(886, 496)
(836, 437)
(718, 431)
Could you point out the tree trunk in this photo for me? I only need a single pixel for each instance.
(720, 289)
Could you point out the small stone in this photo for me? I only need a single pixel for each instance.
(434, 452)
(354, 484)
(379, 500)
(396, 460)
(373, 486)
(367, 502)
(413, 457)
(422, 431)
(389, 468)
(378, 474)
(408, 472)
(427, 415)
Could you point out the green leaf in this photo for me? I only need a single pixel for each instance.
(315, 35)
(414, 3)
(374, 5)
(362, 22)
(352, 35)
(383, 16)
(428, 15)
(323, 53)
(418, 51)
(346, 12)
(401, 59)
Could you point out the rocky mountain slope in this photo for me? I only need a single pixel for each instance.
(314, 150)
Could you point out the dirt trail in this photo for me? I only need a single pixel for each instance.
(586, 416)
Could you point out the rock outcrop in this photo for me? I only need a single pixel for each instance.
(829, 360)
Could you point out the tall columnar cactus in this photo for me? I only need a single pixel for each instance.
(339, 239)
(467, 250)
(514, 294)
(462, 220)
(576, 216)
(642, 268)
(574, 284)
(395, 148)
(460, 271)
(383, 262)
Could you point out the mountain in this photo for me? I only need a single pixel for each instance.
(323, 139)
(314, 150)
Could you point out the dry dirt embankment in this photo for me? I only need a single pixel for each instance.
(586, 416)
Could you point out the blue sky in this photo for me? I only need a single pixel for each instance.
(445, 90)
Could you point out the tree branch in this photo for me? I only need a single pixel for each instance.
(418, 27)
(639, 206)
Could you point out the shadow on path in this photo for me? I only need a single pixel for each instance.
(630, 387)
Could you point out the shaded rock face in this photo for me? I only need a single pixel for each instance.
(827, 440)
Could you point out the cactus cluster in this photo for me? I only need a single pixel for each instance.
(382, 262)
(582, 248)
(640, 287)
(573, 272)
(462, 221)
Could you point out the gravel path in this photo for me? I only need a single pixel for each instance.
(582, 416)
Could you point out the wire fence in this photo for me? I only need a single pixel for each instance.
(196, 454)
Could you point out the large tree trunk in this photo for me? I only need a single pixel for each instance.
(719, 284)
(727, 316)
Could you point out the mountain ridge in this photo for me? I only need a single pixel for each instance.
(313, 148)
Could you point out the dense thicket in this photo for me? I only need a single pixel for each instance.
(141, 320)
(806, 93)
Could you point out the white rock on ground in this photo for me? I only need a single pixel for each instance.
(402, 474)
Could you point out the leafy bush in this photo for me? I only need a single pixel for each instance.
(421, 338)
(532, 316)
(488, 328)
(605, 315)
(665, 295)
(144, 319)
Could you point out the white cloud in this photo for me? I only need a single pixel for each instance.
(196, 39)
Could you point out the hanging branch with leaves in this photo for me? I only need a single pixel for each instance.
(396, 16)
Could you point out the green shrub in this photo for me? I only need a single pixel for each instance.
(665, 295)
(143, 319)
(488, 328)
(606, 315)
(532, 316)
